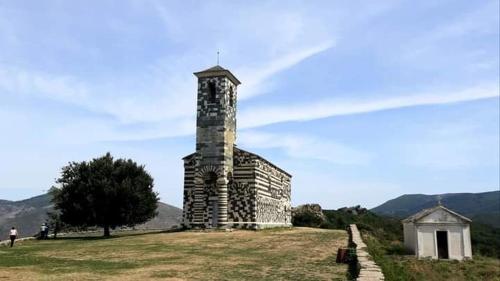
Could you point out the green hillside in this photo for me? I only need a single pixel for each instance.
(384, 237)
(480, 207)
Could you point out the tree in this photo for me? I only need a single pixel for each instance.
(54, 217)
(105, 192)
(54, 222)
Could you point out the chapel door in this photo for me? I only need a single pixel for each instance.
(215, 213)
(442, 244)
(211, 191)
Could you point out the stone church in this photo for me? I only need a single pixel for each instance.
(225, 186)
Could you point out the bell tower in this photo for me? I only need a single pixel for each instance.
(215, 138)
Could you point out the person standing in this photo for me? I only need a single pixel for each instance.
(46, 231)
(13, 236)
(43, 231)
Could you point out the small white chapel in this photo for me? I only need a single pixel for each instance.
(438, 233)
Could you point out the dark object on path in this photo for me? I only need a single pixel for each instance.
(341, 255)
(13, 236)
(346, 255)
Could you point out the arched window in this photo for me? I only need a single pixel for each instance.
(231, 96)
(211, 92)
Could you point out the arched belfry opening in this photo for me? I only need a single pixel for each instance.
(231, 96)
(212, 92)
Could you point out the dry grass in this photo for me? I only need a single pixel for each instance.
(284, 254)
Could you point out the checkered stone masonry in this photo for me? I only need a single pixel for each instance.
(241, 198)
(225, 186)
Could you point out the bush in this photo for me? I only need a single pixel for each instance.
(397, 248)
(309, 215)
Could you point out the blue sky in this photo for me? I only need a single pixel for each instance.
(361, 101)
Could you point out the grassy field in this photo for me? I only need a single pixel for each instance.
(279, 254)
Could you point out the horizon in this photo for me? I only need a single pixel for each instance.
(180, 207)
(356, 101)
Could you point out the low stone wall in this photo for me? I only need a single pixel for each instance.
(369, 270)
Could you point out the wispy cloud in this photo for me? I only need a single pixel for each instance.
(163, 91)
(452, 154)
(458, 145)
(164, 113)
(255, 117)
(426, 49)
(255, 77)
(304, 147)
(57, 87)
(285, 38)
(162, 95)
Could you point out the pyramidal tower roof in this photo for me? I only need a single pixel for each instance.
(217, 71)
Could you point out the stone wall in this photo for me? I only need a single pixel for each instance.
(262, 192)
(242, 194)
(369, 270)
(258, 193)
(273, 187)
(188, 200)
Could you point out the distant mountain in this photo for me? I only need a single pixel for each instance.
(480, 207)
(27, 216)
(167, 217)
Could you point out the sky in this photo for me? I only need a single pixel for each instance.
(361, 101)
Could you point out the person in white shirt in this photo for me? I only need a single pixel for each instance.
(13, 236)
(43, 231)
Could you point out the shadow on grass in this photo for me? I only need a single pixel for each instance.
(119, 234)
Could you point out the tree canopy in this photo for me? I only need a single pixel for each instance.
(105, 192)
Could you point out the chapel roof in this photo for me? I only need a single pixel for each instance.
(217, 71)
(236, 150)
(263, 159)
(188, 156)
(416, 217)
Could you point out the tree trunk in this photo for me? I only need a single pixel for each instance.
(106, 231)
(56, 229)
